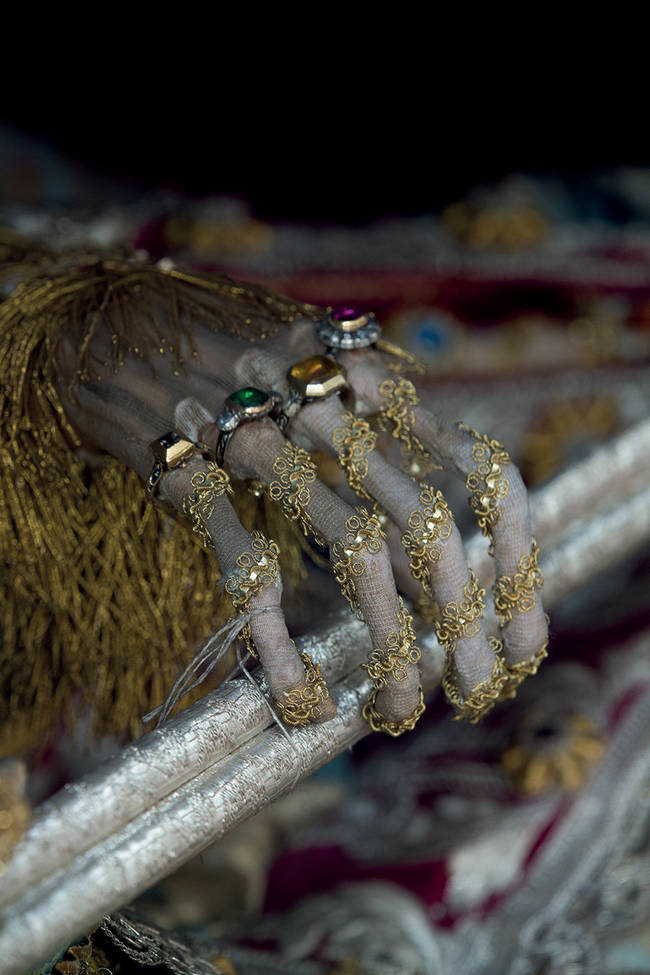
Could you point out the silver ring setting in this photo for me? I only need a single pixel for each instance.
(242, 406)
(348, 328)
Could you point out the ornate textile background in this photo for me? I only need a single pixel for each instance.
(521, 845)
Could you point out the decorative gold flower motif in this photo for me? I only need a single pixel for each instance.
(554, 756)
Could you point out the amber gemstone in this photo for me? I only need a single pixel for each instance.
(317, 377)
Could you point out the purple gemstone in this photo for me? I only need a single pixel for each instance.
(346, 314)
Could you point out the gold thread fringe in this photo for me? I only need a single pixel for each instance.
(103, 596)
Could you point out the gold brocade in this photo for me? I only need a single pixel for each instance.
(104, 596)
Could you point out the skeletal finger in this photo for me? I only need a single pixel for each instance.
(499, 499)
(118, 427)
(434, 545)
(260, 451)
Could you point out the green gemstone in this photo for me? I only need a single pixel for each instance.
(249, 396)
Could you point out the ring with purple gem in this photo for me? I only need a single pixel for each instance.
(242, 406)
(348, 328)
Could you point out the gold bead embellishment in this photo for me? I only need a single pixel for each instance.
(363, 536)
(428, 525)
(399, 398)
(461, 618)
(301, 705)
(378, 722)
(255, 570)
(353, 442)
(484, 696)
(518, 592)
(207, 486)
(486, 484)
(295, 471)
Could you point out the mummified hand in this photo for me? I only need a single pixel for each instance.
(123, 401)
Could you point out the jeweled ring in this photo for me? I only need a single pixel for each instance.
(314, 378)
(242, 406)
(348, 328)
(170, 451)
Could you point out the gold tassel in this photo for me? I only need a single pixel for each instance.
(103, 596)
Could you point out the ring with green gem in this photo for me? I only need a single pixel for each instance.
(248, 403)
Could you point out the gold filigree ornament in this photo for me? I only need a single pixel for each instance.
(295, 471)
(461, 618)
(561, 752)
(255, 570)
(393, 662)
(398, 399)
(483, 696)
(363, 536)
(517, 673)
(399, 653)
(207, 486)
(487, 485)
(518, 592)
(458, 619)
(378, 722)
(428, 526)
(301, 705)
(353, 441)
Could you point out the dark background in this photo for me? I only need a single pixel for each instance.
(324, 163)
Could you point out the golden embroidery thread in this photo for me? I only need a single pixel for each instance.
(378, 722)
(487, 485)
(353, 441)
(301, 705)
(400, 651)
(483, 696)
(428, 526)
(295, 471)
(518, 592)
(458, 619)
(392, 662)
(255, 570)
(101, 593)
(207, 486)
(461, 618)
(517, 673)
(363, 536)
(399, 397)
